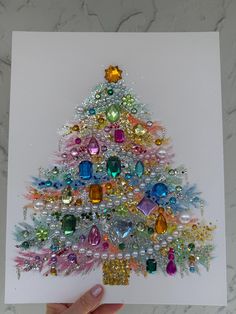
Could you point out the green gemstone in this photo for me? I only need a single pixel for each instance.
(139, 168)
(140, 226)
(25, 245)
(151, 265)
(150, 230)
(42, 234)
(68, 224)
(191, 246)
(56, 215)
(113, 166)
(110, 91)
(121, 246)
(113, 113)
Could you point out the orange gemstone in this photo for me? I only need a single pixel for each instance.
(78, 202)
(113, 74)
(95, 193)
(160, 210)
(75, 128)
(53, 271)
(158, 141)
(161, 224)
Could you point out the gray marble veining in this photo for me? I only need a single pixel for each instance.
(121, 16)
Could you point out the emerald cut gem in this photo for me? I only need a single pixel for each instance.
(68, 224)
(113, 166)
(151, 265)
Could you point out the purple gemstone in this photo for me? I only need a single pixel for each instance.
(37, 258)
(146, 206)
(82, 238)
(72, 258)
(105, 245)
(104, 148)
(74, 152)
(119, 136)
(171, 268)
(171, 256)
(93, 146)
(53, 259)
(77, 140)
(94, 237)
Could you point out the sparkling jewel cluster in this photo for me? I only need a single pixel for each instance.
(113, 197)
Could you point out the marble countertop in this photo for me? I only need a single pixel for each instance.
(132, 16)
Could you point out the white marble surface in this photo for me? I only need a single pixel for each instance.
(128, 15)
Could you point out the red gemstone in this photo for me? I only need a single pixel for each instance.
(119, 136)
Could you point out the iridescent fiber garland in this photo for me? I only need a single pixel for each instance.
(113, 197)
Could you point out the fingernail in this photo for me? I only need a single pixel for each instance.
(96, 291)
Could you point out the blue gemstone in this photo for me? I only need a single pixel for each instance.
(128, 176)
(86, 170)
(92, 111)
(123, 228)
(159, 190)
(172, 200)
(139, 168)
(48, 183)
(68, 181)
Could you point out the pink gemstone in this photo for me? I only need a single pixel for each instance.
(171, 256)
(77, 140)
(93, 146)
(74, 152)
(171, 250)
(171, 268)
(94, 237)
(105, 245)
(119, 136)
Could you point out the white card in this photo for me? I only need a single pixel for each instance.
(178, 76)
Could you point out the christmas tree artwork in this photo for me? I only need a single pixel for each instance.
(113, 198)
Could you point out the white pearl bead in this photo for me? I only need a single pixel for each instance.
(127, 256)
(136, 190)
(75, 247)
(164, 244)
(175, 233)
(119, 255)
(39, 204)
(130, 195)
(142, 185)
(104, 256)
(89, 253)
(96, 255)
(44, 213)
(124, 199)
(49, 219)
(110, 204)
(112, 256)
(117, 202)
(169, 239)
(142, 252)
(82, 250)
(180, 227)
(156, 247)
(68, 243)
(185, 218)
(79, 209)
(149, 251)
(49, 206)
(56, 207)
(148, 179)
(135, 254)
(52, 226)
(71, 209)
(62, 238)
(57, 232)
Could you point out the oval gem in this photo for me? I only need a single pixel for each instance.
(161, 224)
(159, 190)
(68, 224)
(113, 113)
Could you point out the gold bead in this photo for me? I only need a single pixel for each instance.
(158, 141)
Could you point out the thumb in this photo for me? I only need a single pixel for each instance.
(87, 302)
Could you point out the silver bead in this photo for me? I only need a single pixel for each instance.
(62, 238)
(175, 233)
(57, 232)
(49, 206)
(150, 251)
(49, 219)
(75, 247)
(136, 190)
(142, 252)
(117, 202)
(82, 250)
(156, 247)
(44, 213)
(148, 180)
(180, 227)
(79, 209)
(130, 195)
(68, 243)
(56, 207)
(71, 209)
(152, 174)
(64, 208)
(124, 199)
(142, 185)
(169, 239)
(52, 226)
(87, 209)
(112, 256)
(109, 204)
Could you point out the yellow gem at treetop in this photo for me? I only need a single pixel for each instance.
(113, 74)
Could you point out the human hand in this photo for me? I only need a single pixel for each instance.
(87, 303)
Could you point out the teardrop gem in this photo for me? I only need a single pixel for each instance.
(93, 146)
(66, 196)
(161, 224)
(95, 193)
(171, 268)
(113, 166)
(94, 237)
(139, 168)
(113, 113)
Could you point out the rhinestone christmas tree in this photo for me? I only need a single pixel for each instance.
(113, 198)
